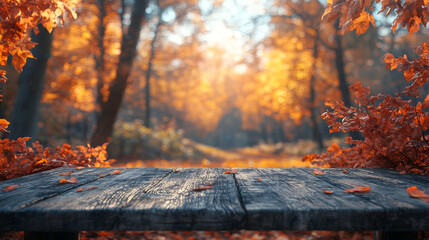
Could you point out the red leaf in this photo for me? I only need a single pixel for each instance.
(116, 172)
(318, 172)
(358, 189)
(10, 188)
(86, 189)
(231, 171)
(416, 193)
(199, 189)
(259, 179)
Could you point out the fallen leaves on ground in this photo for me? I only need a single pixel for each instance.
(86, 189)
(358, 189)
(318, 172)
(416, 193)
(199, 189)
(10, 188)
(71, 180)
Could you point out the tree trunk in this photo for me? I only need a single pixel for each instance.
(339, 63)
(317, 136)
(110, 108)
(149, 72)
(25, 116)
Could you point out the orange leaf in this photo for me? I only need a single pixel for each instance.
(199, 189)
(66, 173)
(63, 180)
(79, 168)
(10, 188)
(231, 171)
(116, 172)
(259, 179)
(175, 170)
(358, 189)
(71, 180)
(318, 172)
(3, 125)
(345, 171)
(416, 193)
(86, 189)
(101, 176)
(327, 192)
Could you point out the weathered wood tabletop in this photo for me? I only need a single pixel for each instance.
(259, 199)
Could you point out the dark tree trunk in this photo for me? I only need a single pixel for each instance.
(110, 108)
(317, 136)
(149, 72)
(25, 114)
(339, 63)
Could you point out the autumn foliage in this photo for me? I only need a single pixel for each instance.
(393, 127)
(16, 159)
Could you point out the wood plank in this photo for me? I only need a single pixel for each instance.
(128, 202)
(96, 209)
(402, 213)
(173, 205)
(38, 187)
(292, 199)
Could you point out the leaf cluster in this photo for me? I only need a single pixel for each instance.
(16, 159)
(356, 14)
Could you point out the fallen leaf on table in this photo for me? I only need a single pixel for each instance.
(199, 189)
(231, 171)
(327, 192)
(86, 189)
(358, 189)
(101, 176)
(115, 172)
(71, 180)
(416, 193)
(66, 173)
(345, 171)
(175, 170)
(10, 188)
(318, 172)
(259, 179)
(79, 168)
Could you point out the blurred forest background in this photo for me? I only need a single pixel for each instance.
(222, 80)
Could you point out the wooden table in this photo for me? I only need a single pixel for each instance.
(143, 199)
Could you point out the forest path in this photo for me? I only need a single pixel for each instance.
(248, 157)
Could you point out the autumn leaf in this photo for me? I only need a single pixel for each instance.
(199, 189)
(86, 189)
(66, 173)
(10, 188)
(259, 179)
(79, 168)
(115, 172)
(416, 193)
(101, 176)
(175, 170)
(345, 171)
(4, 125)
(71, 180)
(327, 192)
(318, 172)
(358, 189)
(231, 171)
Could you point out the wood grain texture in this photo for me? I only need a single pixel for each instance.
(96, 209)
(255, 199)
(292, 199)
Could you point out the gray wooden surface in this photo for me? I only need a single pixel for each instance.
(255, 199)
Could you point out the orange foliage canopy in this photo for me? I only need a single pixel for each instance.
(392, 126)
(18, 17)
(356, 15)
